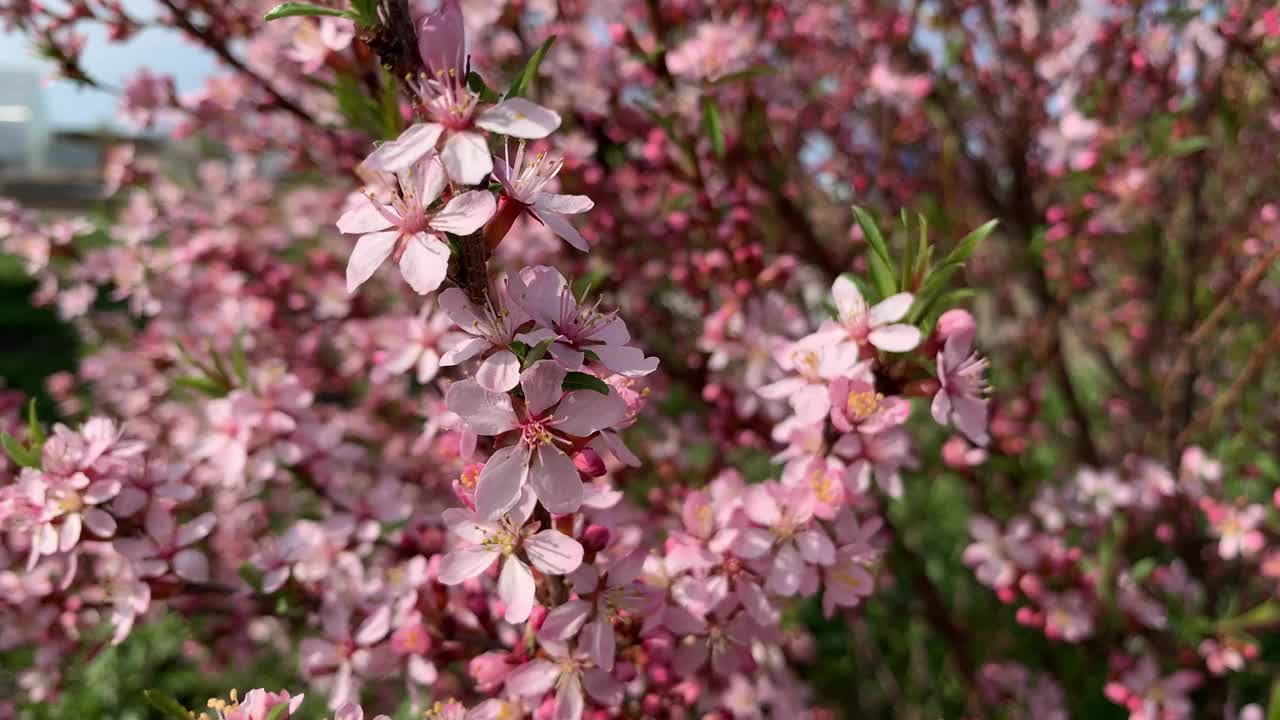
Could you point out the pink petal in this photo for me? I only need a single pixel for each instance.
(569, 700)
(191, 565)
(465, 213)
(461, 310)
(466, 157)
(467, 349)
(782, 389)
(363, 218)
(583, 412)
(462, 564)
(890, 310)
(415, 143)
(762, 507)
(563, 204)
(499, 372)
(370, 252)
(602, 687)
(895, 338)
(756, 602)
(566, 620)
(561, 227)
(598, 641)
(99, 523)
(569, 358)
(625, 571)
(815, 547)
(519, 118)
(442, 38)
(553, 552)
(159, 523)
(625, 360)
(534, 678)
(849, 303)
(941, 407)
(555, 481)
(541, 383)
(425, 263)
(69, 534)
(516, 588)
(498, 487)
(375, 627)
(196, 530)
(784, 576)
(486, 411)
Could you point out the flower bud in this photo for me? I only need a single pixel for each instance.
(589, 462)
(595, 538)
(955, 321)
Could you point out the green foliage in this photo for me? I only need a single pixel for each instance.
(300, 9)
(583, 381)
(711, 124)
(521, 83)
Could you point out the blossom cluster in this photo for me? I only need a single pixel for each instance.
(347, 398)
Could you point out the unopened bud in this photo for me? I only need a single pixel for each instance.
(589, 462)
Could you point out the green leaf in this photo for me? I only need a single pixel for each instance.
(166, 705)
(521, 349)
(35, 432)
(478, 86)
(530, 69)
(1189, 145)
(361, 111)
(298, 9)
(962, 251)
(20, 454)
(203, 385)
(238, 361)
(365, 11)
(277, 711)
(872, 234)
(711, 123)
(583, 381)
(537, 352)
(882, 276)
(252, 575)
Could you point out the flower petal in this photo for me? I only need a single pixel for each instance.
(541, 383)
(500, 482)
(363, 218)
(583, 412)
(519, 118)
(499, 372)
(486, 411)
(371, 251)
(890, 310)
(465, 213)
(400, 154)
(895, 338)
(463, 564)
(553, 552)
(555, 481)
(467, 158)
(425, 263)
(516, 588)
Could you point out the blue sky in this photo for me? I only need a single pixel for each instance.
(68, 106)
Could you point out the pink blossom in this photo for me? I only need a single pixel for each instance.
(489, 332)
(960, 400)
(878, 324)
(815, 360)
(574, 329)
(548, 419)
(524, 183)
(569, 673)
(167, 544)
(414, 241)
(550, 551)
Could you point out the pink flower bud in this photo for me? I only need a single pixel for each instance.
(537, 617)
(955, 321)
(660, 646)
(489, 669)
(589, 462)
(595, 538)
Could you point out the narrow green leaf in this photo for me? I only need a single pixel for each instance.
(530, 69)
(873, 236)
(521, 349)
(537, 352)
(711, 123)
(298, 9)
(478, 86)
(277, 711)
(882, 276)
(20, 454)
(203, 385)
(1187, 146)
(251, 575)
(238, 361)
(965, 248)
(35, 432)
(908, 260)
(583, 381)
(219, 365)
(166, 705)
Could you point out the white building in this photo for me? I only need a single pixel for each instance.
(24, 128)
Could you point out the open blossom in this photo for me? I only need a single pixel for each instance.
(856, 405)
(878, 324)
(167, 544)
(1149, 696)
(799, 546)
(510, 538)
(573, 329)
(523, 182)
(258, 704)
(997, 557)
(815, 361)
(455, 110)
(488, 334)
(960, 400)
(568, 672)
(407, 229)
(1237, 529)
(602, 597)
(413, 344)
(549, 420)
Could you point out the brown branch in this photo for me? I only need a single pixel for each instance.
(206, 38)
(1207, 416)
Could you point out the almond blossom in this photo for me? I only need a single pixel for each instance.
(487, 333)
(414, 240)
(816, 360)
(550, 551)
(568, 672)
(523, 183)
(549, 420)
(572, 329)
(960, 401)
(878, 324)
